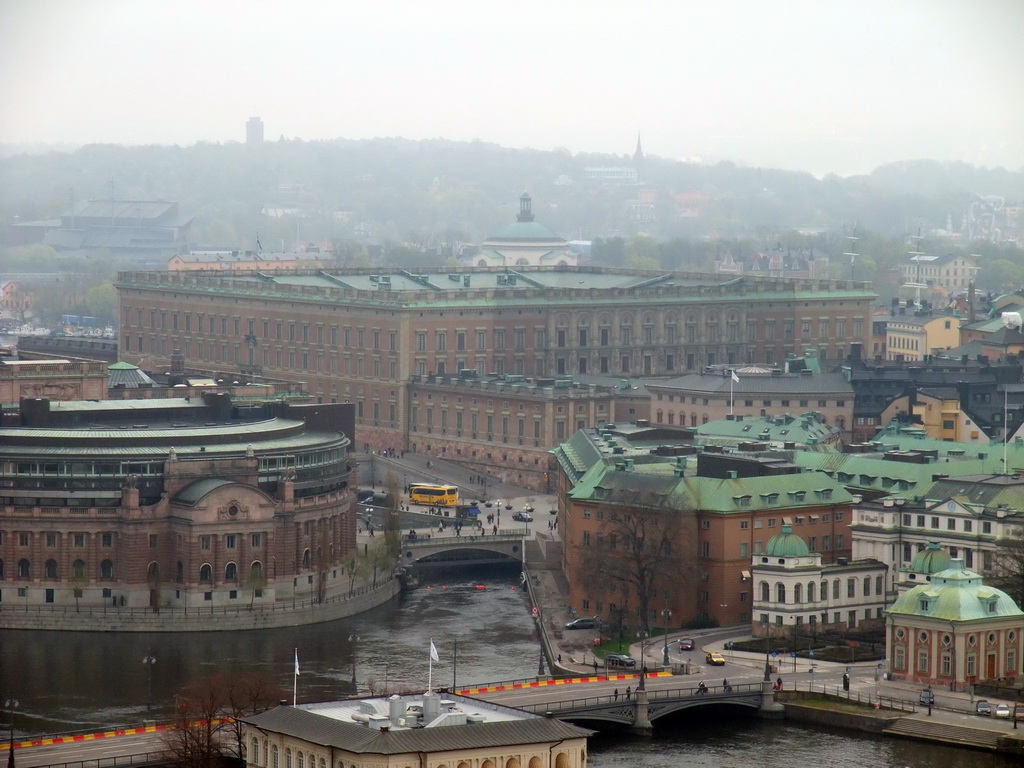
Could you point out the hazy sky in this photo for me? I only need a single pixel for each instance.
(826, 85)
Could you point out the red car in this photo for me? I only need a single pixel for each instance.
(686, 644)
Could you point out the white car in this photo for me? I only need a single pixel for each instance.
(1002, 710)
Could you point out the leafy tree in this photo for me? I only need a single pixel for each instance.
(392, 514)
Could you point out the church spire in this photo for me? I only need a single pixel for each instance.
(638, 156)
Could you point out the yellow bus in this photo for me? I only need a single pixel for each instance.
(434, 495)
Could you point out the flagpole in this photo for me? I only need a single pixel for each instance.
(430, 668)
(295, 679)
(731, 400)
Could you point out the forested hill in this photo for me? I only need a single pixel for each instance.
(423, 192)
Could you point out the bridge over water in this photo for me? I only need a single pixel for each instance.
(465, 549)
(654, 699)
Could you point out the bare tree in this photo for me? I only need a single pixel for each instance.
(637, 552)
(381, 557)
(392, 514)
(208, 715)
(1008, 564)
(353, 566)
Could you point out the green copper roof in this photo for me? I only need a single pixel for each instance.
(931, 560)
(657, 485)
(786, 544)
(956, 594)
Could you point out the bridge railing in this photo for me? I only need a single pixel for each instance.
(692, 692)
(861, 697)
(430, 540)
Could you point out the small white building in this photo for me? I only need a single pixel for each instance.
(793, 589)
(423, 730)
(526, 243)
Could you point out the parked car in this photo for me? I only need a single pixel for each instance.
(927, 697)
(982, 707)
(582, 623)
(715, 659)
(1002, 710)
(522, 517)
(619, 660)
(686, 644)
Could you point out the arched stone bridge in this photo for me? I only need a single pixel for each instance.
(645, 706)
(503, 547)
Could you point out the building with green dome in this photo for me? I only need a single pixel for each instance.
(526, 243)
(793, 589)
(955, 631)
(925, 564)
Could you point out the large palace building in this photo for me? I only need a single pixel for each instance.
(361, 336)
(176, 503)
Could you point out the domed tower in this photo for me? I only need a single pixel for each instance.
(927, 562)
(786, 545)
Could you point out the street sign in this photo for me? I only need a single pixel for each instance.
(810, 652)
(793, 654)
(849, 668)
(729, 644)
(775, 654)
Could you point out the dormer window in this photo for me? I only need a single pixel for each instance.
(925, 604)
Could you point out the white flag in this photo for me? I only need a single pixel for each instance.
(296, 661)
(735, 377)
(433, 651)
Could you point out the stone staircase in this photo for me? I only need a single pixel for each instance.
(936, 730)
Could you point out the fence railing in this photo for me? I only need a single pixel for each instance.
(242, 608)
(866, 698)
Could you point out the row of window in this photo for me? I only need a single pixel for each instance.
(798, 590)
(924, 662)
(305, 332)
(933, 522)
(271, 757)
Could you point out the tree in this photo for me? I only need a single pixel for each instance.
(1008, 564)
(392, 514)
(380, 557)
(208, 715)
(353, 566)
(639, 554)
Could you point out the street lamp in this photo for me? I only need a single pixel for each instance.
(667, 614)
(12, 704)
(149, 661)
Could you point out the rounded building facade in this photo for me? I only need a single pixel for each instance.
(172, 504)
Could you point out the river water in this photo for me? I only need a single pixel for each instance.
(71, 681)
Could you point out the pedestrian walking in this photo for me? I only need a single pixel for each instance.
(629, 691)
(615, 695)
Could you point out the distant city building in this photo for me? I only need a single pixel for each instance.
(949, 272)
(526, 243)
(263, 261)
(254, 130)
(132, 227)
(15, 302)
(361, 335)
(698, 398)
(912, 337)
(430, 729)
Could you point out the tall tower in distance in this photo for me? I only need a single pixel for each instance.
(254, 130)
